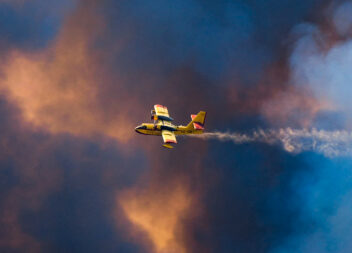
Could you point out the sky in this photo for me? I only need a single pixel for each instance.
(76, 78)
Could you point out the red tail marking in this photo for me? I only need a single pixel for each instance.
(198, 126)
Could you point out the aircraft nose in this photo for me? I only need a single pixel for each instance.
(138, 128)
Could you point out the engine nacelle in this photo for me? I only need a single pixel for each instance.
(160, 117)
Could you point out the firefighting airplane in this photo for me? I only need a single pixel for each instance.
(163, 126)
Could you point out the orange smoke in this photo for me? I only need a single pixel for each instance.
(59, 89)
(158, 213)
(293, 105)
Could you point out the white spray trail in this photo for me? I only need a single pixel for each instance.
(329, 143)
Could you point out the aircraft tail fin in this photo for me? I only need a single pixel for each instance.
(198, 121)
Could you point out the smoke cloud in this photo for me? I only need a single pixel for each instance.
(97, 68)
(321, 61)
(62, 88)
(322, 57)
(158, 214)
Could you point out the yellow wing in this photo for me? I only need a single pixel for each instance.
(161, 110)
(169, 138)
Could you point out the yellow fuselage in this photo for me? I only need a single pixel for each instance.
(155, 129)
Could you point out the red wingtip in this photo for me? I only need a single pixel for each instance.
(170, 141)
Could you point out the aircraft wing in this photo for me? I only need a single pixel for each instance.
(169, 138)
(162, 112)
